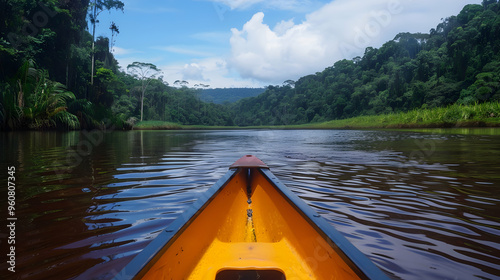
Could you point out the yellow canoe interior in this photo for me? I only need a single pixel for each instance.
(263, 237)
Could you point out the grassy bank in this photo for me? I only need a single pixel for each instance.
(156, 125)
(162, 125)
(478, 115)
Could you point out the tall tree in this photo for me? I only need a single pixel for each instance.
(145, 72)
(96, 7)
(114, 32)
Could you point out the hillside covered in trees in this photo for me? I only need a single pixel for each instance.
(458, 61)
(54, 73)
(228, 95)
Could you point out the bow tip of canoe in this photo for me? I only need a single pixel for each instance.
(249, 161)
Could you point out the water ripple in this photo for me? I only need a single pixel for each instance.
(432, 217)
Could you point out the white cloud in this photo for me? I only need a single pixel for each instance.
(192, 71)
(261, 53)
(209, 70)
(212, 71)
(340, 29)
(282, 26)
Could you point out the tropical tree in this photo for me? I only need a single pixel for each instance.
(181, 83)
(290, 83)
(37, 102)
(114, 32)
(97, 7)
(145, 72)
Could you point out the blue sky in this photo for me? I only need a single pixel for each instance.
(254, 43)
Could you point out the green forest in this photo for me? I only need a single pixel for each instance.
(228, 95)
(55, 74)
(457, 62)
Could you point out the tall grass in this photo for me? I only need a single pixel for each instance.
(485, 114)
(156, 125)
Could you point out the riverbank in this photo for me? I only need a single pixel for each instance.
(477, 115)
(157, 125)
(161, 125)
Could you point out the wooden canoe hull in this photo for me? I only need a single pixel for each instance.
(249, 226)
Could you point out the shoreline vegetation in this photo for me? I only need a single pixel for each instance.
(458, 62)
(477, 115)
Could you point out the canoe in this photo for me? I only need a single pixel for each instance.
(249, 225)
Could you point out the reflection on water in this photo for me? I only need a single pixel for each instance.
(419, 204)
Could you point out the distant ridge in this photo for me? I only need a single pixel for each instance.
(228, 95)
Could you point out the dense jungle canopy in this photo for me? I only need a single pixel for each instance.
(54, 73)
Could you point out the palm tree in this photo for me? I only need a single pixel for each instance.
(42, 103)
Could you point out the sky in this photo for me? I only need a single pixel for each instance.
(256, 43)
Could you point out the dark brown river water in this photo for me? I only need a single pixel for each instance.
(421, 205)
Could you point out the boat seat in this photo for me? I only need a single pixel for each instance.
(273, 259)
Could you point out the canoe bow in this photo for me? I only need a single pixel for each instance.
(249, 225)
